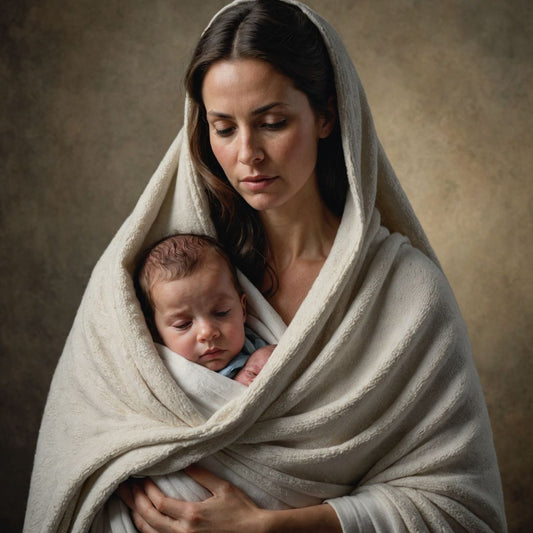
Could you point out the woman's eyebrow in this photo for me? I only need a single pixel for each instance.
(267, 107)
(255, 112)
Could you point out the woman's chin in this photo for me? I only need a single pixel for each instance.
(262, 202)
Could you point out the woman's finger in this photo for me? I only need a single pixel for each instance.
(141, 524)
(132, 495)
(169, 506)
(152, 490)
(207, 479)
(174, 509)
(146, 517)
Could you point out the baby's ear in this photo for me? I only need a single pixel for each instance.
(243, 304)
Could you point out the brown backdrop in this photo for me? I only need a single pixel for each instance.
(92, 97)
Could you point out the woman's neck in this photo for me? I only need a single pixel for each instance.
(305, 234)
(297, 249)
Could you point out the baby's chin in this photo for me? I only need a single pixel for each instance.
(217, 365)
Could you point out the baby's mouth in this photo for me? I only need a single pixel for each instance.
(212, 352)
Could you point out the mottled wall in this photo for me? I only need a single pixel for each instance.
(91, 95)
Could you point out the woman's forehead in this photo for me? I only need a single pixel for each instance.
(246, 83)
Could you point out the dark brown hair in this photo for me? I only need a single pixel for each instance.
(281, 35)
(175, 257)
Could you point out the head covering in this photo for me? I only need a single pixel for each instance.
(370, 400)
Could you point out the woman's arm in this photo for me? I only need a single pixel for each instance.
(228, 510)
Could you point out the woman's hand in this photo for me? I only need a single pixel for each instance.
(228, 510)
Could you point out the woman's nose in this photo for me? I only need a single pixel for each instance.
(250, 151)
(208, 331)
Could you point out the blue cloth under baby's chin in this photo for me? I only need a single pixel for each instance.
(252, 342)
(232, 369)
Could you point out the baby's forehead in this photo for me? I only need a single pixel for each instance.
(210, 256)
(212, 262)
(216, 261)
(210, 271)
(208, 259)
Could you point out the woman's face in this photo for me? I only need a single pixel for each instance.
(263, 133)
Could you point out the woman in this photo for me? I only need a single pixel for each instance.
(369, 403)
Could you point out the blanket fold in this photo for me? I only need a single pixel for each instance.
(370, 401)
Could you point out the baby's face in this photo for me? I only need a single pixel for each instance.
(201, 316)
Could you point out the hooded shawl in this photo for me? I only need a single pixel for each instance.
(370, 402)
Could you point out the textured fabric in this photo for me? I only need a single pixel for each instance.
(370, 400)
(208, 392)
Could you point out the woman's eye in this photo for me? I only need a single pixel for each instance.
(225, 132)
(273, 126)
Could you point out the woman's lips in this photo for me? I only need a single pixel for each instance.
(258, 183)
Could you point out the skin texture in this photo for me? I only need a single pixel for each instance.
(265, 135)
(201, 317)
(263, 132)
(254, 365)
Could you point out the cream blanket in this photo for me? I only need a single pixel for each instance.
(370, 400)
(208, 391)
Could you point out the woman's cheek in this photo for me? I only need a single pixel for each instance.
(222, 152)
(226, 160)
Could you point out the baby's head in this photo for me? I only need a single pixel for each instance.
(192, 299)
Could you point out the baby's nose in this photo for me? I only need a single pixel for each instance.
(208, 331)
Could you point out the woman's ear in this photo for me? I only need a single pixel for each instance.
(327, 119)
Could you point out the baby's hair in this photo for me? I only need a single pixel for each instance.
(174, 257)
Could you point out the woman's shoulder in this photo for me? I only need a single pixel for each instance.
(424, 280)
(411, 277)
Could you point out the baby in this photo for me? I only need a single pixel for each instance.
(194, 305)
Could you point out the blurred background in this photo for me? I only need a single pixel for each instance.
(92, 97)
